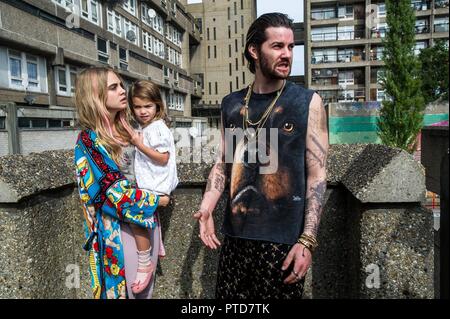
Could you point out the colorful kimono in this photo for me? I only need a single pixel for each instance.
(107, 200)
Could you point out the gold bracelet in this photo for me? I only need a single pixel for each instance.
(308, 241)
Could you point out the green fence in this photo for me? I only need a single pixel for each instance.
(363, 129)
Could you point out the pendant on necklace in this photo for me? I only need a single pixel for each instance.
(250, 133)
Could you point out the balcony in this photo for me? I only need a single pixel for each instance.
(337, 36)
(378, 33)
(338, 58)
(419, 29)
(438, 4)
(324, 15)
(420, 5)
(340, 95)
(441, 27)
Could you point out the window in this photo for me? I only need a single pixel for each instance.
(242, 22)
(230, 69)
(216, 88)
(123, 58)
(147, 42)
(229, 32)
(243, 78)
(323, 13)
(380, 95)
(229, 50)
(441, 24)
(102, 50)
(242, 4)
(65, 80)
(237, 83)
(346, 78)
(235, 26)
(231, 86)
(34, 122)
(64, 3)
(323, 34)
(214, 31)
(235, 8)
(166, 72)
(237, 64)
(209, 52)
(156, 23)
(215, 52)
(235, 45)
(229, 13)
(209, 88)
(345, 12)
(198, 22)
(346, 32)
(420, 45)
(207, 33)
(130, 6)
(242, 41)
(381, 10)
(24, 71)
(421, 26)
(2, 123)
(90, 10)
(122, 27)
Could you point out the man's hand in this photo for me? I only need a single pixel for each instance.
(301, 256)
(207, 231)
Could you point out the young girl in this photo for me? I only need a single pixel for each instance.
(154, 163)
(107, 196)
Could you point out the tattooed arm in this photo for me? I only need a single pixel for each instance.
(316, 183)
(214, 189)
(316, 157)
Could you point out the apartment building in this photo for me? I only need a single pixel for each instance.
(219, 62)
(45, 43)
(343, 44)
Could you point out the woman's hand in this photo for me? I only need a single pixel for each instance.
(163, 201)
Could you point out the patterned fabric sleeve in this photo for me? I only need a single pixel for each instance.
(111, 190)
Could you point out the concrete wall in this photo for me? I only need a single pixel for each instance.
(373, 230)
(434, 145)
(46, 139)
(4, 143)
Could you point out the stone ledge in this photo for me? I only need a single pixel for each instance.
(371, 172)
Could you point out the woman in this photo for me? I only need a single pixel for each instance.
(109, 200)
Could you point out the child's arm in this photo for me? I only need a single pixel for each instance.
(159, 158)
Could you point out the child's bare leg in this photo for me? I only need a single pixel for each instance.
(145, 265)
(141, 237)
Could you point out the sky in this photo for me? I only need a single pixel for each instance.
(294, 8)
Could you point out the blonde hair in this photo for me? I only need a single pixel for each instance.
(91, 93)
(148, 90)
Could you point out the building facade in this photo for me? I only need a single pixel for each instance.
(45, 43)
(219, 62)
(343, 44)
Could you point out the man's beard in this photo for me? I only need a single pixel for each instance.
(268, 72)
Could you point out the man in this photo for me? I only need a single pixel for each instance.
(276, 179)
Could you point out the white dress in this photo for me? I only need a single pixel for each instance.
(160, 179)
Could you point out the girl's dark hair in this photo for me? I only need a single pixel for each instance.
(256, 34)
(148, 90)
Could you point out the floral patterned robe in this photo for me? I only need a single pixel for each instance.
(107, 200)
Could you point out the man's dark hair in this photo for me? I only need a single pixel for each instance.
(256, 34)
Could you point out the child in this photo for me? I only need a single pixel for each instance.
(154, 163)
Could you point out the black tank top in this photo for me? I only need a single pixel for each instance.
(267, 182)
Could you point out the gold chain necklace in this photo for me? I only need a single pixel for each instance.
(246, 121)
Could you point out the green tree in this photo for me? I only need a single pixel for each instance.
(434, 66)
(401, 114)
